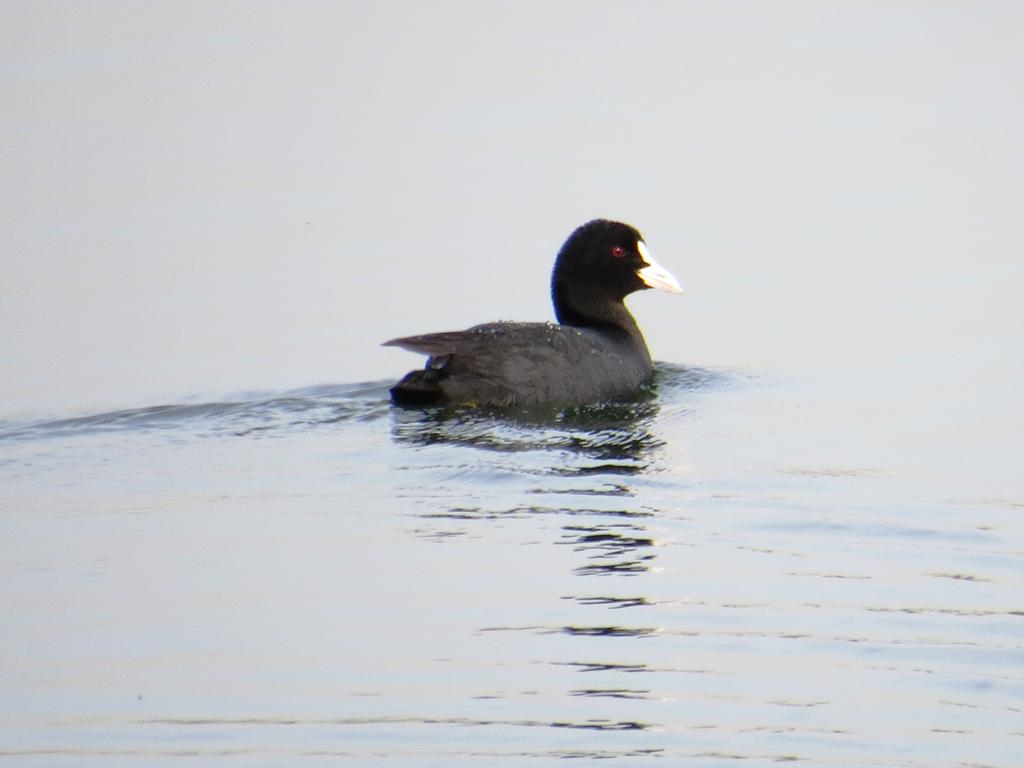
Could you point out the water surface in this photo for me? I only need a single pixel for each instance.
(699, 576)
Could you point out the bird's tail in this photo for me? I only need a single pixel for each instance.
(419, 388)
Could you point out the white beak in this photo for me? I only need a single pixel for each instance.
(654, 275)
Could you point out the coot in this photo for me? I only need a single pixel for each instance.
(595, 353)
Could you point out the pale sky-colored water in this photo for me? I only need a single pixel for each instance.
(207, 198)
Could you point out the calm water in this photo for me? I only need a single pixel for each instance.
(732, 567)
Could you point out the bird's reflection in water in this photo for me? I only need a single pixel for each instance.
(574, 463)
(618, 434)
(611, 549)
(608, 438)
(584, 468)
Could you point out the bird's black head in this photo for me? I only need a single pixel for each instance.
(600, 264)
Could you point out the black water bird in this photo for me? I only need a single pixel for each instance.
(595, 353)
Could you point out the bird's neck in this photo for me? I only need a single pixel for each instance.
(606, 315)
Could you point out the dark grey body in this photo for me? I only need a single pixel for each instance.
(508, 364)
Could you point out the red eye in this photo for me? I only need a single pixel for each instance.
(618, 251)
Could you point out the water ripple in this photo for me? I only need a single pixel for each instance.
(244, 415)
